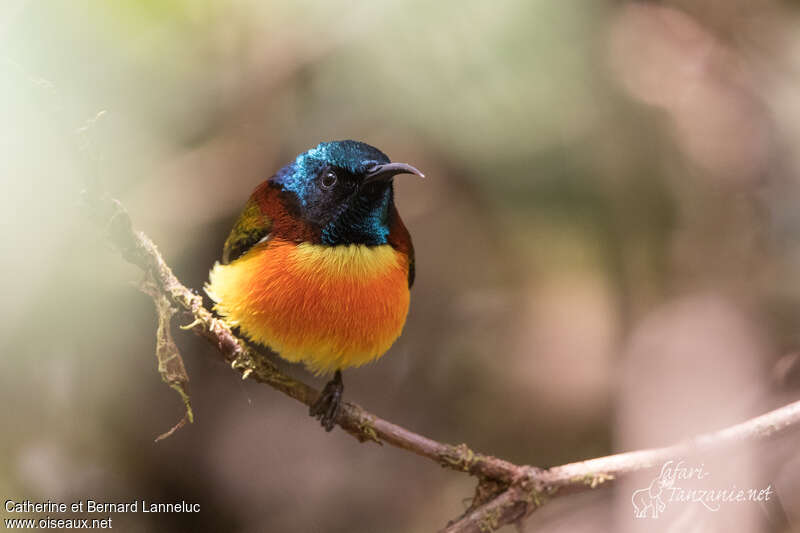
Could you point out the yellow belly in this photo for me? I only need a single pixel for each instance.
(330, 307)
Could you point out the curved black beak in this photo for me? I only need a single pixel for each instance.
(386, 171)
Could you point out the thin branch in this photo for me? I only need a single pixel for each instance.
(170, 362)
(531, 491)
(507, 492)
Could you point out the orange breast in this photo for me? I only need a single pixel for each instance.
(329, 306)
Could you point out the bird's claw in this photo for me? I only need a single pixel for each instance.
(326, 408)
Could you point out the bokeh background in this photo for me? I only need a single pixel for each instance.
(608, 247)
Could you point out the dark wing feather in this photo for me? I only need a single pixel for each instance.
(412, 271)
(251, 227)
(400, 240)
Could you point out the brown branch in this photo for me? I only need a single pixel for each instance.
(506, 492)
(530, 491)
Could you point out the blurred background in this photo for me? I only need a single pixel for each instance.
(607, 247)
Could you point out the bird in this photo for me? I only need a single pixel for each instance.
(318, 266)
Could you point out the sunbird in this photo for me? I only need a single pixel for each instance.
(318, 266)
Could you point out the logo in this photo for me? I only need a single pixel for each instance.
(680, 482)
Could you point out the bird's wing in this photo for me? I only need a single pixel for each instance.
(252, 227)
(411, 268)
(400, 240)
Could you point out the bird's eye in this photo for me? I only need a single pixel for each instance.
(328, 179)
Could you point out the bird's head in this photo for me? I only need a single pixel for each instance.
(339, 192)
(343, 189)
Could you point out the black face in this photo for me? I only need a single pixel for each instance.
(343, 189)
(330, 194)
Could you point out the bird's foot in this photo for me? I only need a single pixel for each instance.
(329, 403)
